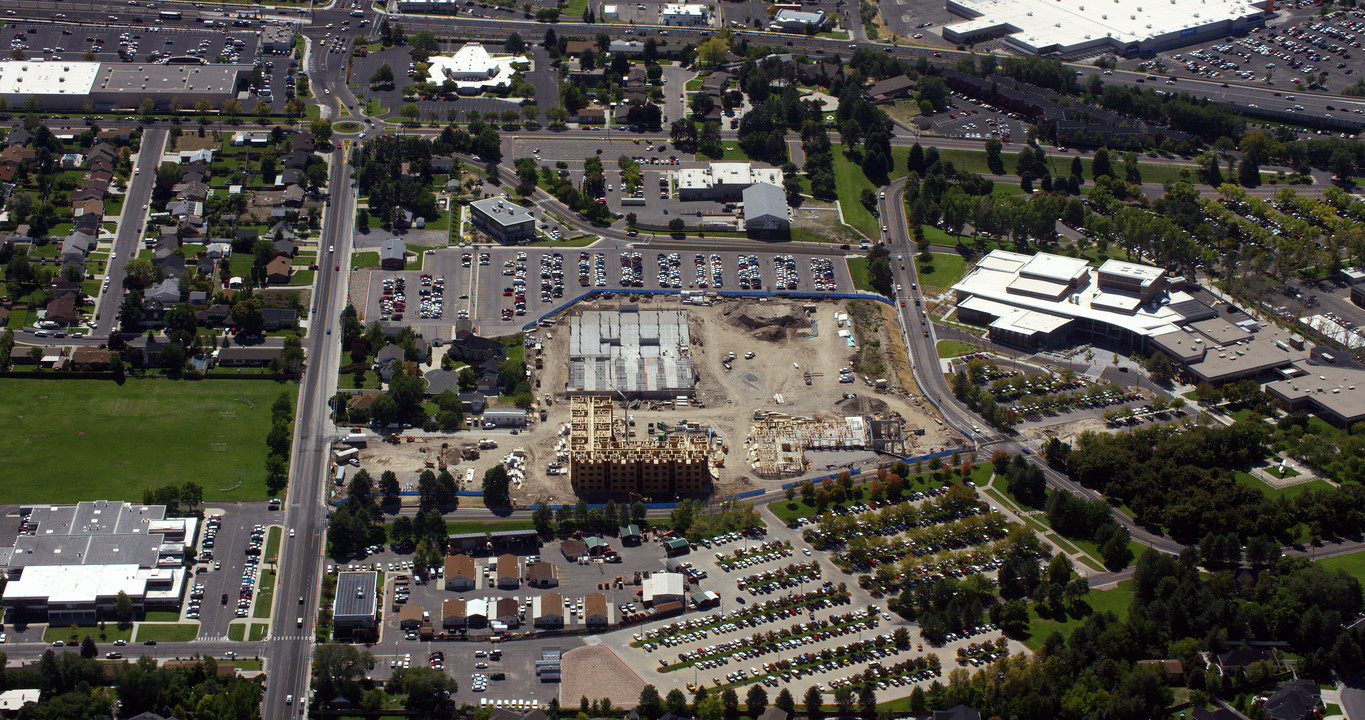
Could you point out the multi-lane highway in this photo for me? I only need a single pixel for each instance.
(301, 556)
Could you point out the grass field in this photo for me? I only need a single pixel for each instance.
(258, 631)
(862, 279)
(1353, 564)
(181, 632)
(111, 632)
(1289, 493)
(364, 259)
(272, 544)
(941, 272)
(236, 631)
(161, 616)
(954, 348)
(144, 434)
(1115, 601)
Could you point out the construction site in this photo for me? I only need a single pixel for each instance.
(777, 392)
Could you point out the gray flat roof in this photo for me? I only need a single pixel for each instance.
(356, 594)
(151, 78)
(1339, 391)
(92, 533)
(503, 212)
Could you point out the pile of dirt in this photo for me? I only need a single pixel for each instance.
(770, 322)
(863, 405)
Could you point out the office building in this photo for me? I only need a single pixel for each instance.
(797, 21)
(603, 462)
(357, 601)
(503, 220)
(685, 14)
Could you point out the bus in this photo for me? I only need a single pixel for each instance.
(169, 15)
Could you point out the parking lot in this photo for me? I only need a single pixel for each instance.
(974, 120)
(489, 287)
(227, 561)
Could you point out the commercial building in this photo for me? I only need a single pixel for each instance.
(548, 610)
(663, 587)
(1323, 385)
(393, 254)
(723, 180)
(277, 39)
(98, 87)
(686, 14)
(797, 21)
(504, 221)
(503, 418)
(1044, 300)
(357, 601)
(508, 572)
(765, 208)
(1126, 27)
(595, 610)
(69, 563)
(602, 462)
(472, 69)
(638, 353)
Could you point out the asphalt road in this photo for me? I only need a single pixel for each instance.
(290, 645)
(126, 244)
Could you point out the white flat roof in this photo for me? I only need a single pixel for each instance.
(1068, 23)
(13, 700)
(684, 9)
(1145, 273)
(73, 584)
(472, 67)
(1057, 268)
(996, 278)
(40, 77)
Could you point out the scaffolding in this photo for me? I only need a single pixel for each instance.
(778, 442)
(603, 460)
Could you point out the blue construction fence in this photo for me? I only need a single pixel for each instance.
(858, 471)
(593, 293)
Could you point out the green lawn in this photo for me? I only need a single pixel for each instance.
(862, 278)
(111, 632)
(942, 272)
(272, 543)
(236, 631)
(1115, 601)
(183, 632)
(954, 348)
(146, 433)
(1290, 492)
(264, 596)
(1353, 564)
(161, 616)
(258, 631)
(364, 259)
(849, 182)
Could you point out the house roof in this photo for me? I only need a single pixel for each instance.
(453, 608)
(507, 566)
(393, 249)
(594, 604)
(540, 571)
(459, 566)
(764, 199)
(508, 608)
(573, 546)
(891, 86)
(551, 603)
(1293, 700)
(281, 265)
(1242, 657)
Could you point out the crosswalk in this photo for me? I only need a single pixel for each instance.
(289, 637)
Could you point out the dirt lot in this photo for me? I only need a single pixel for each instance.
(786, 341)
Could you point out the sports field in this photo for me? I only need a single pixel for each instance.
(70, 440)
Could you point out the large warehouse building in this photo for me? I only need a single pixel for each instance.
(1126, 27)
(69, 563)
(602, 463)
(97, 87)
(638, 353)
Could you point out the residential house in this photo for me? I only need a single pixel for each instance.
(297, 160)
(90, 358)
(195, 190)
(93, 189)
(88, 207)
(1231, 661)
(166, 291)
(1175, 672)
(590, 116)
(19, 136)
(302, 142)
(250, 356)
(101, 155)
(218, 250)
(184, 208)
(1295, 700)
(76, 247)
(170, 262)
(88, 224)
(117, 137)
(293, 196)
(279, 318)
(410, 617)
(188, 157)
(62, 311)
(508, 571)
(442, 164)
(277, 271)
(891, 89)
(460, 573)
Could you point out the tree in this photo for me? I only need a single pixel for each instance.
(867, 700)
(785, 700)
(650, 704)
(676, 226)
(993, 161)
(410, 111)
(123, 609)
(1100, 165)
(336, 665)
(514, 45)
(88, 649)
(713, 51)
(249, 316)
(813, 702)
(191, 495)
(495, 487)
(402, 530)
(756, 700)
(676, 702)
(543, 518)
(322, 130)
(729, 700)
(427, 689)
(1342, 165)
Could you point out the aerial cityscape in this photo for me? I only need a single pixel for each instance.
(935, 359)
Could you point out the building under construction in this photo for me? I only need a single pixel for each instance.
(603, 462)
(630, 352)
(778, 442)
